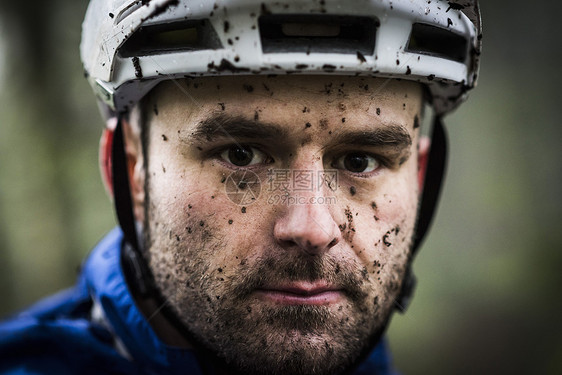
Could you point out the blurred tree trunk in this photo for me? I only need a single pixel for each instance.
(35, 178)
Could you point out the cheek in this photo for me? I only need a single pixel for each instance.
(192, 205)
(385, 226)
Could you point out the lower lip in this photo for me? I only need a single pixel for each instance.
(285, 298)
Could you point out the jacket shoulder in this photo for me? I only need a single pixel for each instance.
(29, 345)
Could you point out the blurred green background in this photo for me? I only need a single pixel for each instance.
(489, 276)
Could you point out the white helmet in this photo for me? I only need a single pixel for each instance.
(129, 46)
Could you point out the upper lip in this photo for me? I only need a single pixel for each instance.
(304, 288)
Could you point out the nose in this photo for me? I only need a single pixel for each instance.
(308, 226)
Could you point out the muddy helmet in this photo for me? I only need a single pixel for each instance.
(130, 46)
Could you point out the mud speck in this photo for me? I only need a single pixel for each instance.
(378, 111)
(230, 221)
(361, 57)
(243, 210)
(385, 240)
(136, 65)
(352, 190)
(349, 216)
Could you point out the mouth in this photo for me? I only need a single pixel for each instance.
(301, 293)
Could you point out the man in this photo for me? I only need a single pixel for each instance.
(267, 168)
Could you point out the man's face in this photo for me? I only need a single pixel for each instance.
(302, 278)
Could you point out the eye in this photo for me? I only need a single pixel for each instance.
(357, 162)
(243, 156)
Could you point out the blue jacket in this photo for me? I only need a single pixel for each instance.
(60, 335)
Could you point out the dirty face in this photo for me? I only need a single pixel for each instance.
(302, 278)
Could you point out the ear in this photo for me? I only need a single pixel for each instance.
(135, 168)
(105, 150)
(135, 163)
(423, 157)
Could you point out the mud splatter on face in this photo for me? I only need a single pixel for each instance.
(349, 216)
(385, 239)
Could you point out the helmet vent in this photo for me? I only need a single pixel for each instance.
(318, 34)
(431, 40)
(171, 37)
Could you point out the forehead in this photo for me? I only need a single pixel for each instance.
(288, 100)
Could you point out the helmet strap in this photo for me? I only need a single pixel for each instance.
(133, 262)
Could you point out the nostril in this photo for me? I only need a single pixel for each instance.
(286, 243)
(333, 242)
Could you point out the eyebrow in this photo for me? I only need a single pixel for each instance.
(220, 125)
(224, 126)
(395, 136)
